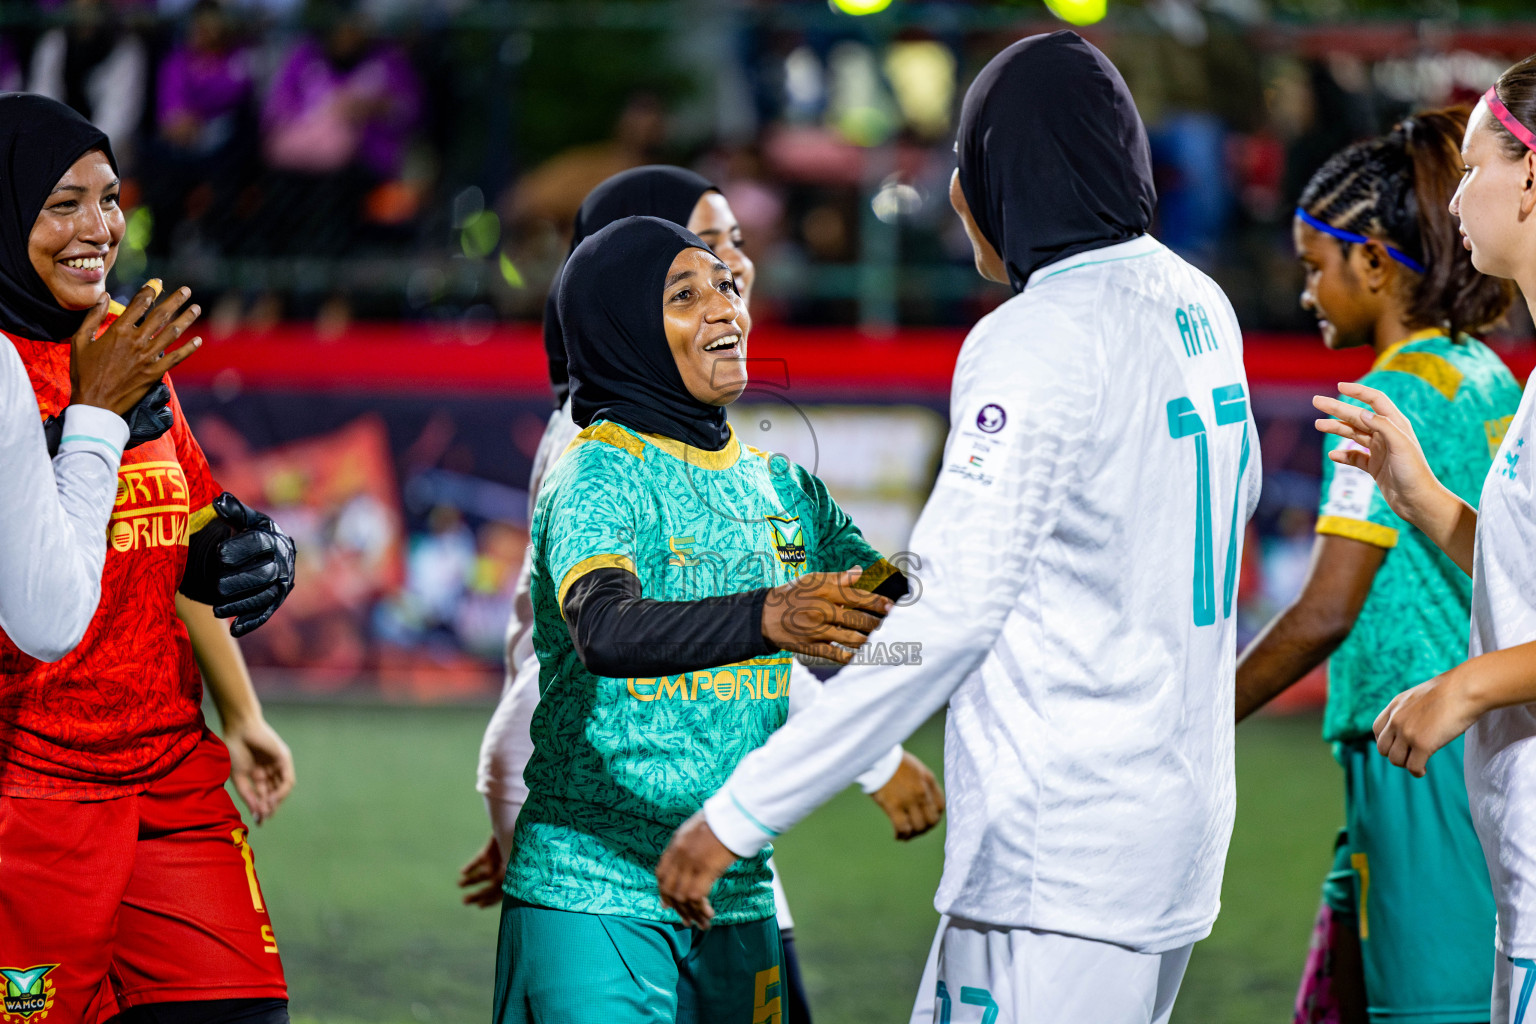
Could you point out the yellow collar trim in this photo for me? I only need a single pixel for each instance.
(725, 458)
(1397, 346)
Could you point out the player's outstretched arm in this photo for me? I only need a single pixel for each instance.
(618, 632)
(1425, 718)
(899, 783)
(1298, 639)
(1384, 445)
(979, 536)
(55, 515)
(260, 763)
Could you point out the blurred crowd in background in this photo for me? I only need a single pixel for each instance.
(420, 161)
(449, 142)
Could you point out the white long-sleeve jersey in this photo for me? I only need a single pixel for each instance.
(1079, 558)
(1501, 746)
(507, 745)
(53, 516)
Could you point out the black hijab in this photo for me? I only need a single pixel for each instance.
(39, 139)
(621, 368)
(657, 190)
(1054, 158)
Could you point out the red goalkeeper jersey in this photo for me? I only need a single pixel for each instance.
(124, 707)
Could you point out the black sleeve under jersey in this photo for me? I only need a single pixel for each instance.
(618, 633)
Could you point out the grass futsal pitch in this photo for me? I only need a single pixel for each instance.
(359, 869)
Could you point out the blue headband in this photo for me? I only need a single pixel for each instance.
(1350, 236)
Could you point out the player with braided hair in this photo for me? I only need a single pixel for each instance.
(1490, 696)
(1385, 267)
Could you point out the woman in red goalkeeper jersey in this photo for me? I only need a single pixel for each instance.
(128, 891)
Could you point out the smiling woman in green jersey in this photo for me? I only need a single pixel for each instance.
(1386, 268)
(673, 570)
(898, 782)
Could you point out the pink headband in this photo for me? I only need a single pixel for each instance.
(1500, 111)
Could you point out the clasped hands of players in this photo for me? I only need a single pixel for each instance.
(822, 614)
(1424, 718)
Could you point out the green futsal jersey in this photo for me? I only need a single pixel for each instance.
(1460, 398)
(619, 764)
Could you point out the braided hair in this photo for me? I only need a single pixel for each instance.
(1395, 188)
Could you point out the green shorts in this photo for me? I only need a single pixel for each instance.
(1409, 868)
(561, 967)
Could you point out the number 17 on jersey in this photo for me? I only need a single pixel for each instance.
(1184, 421)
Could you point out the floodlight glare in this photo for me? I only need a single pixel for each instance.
(1079, 12)
(857, 7)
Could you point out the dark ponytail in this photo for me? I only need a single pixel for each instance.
(1516, 88)
(1396, 188)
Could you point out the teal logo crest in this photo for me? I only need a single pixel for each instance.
(28, 992)
(788, 539)
(1512, 459)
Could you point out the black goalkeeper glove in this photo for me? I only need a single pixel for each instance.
(146, 421)
(242, 563)
(151, 417)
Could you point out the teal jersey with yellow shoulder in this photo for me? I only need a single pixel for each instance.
(619, 764)
(1460, 398)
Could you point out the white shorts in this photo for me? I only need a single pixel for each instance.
(982, 975)
(1513, 982)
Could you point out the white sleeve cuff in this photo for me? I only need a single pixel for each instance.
(731, 823)
(881, 772)
(87, 428)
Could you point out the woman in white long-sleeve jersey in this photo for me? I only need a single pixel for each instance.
(54, 509)
(1079, 560)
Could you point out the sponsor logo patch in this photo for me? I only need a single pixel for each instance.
(151, 509)
(788, 539)
(28, 992)
(991, 418)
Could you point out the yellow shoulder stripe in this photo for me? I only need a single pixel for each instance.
(587, 565)
(1496, 429)
(609, 433)
(201, 518)
(1358, 529)
(1436, 371)
(875, 575)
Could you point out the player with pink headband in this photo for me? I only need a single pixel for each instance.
(1492, 696)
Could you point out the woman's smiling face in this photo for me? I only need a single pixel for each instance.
(74, 241)
(707, 325)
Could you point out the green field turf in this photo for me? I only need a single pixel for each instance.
(359, 869)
